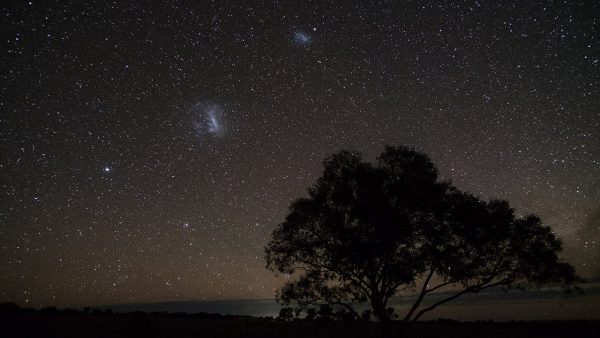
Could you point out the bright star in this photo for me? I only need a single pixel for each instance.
(107, 169)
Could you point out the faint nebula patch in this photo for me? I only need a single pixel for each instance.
(302, 38)
(208, 120)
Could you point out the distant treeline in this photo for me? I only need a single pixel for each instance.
(12, 308)
(324, 313)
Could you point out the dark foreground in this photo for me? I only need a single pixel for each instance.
(148, 325)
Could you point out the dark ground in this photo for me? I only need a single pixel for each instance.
(148, 325)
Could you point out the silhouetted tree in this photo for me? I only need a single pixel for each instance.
(340, 314)
(391, 312)
(367, 231)
(286, 314)
(348, 316)
(9, 308)
(325, 312)
(354, 235)
(344, 315)
(311, 313)
(49, 310)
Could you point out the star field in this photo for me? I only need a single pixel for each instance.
(149, 149)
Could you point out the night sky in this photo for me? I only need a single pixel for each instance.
(148, 149)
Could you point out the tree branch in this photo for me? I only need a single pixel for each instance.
(429, 308)
(476, 288)
(440, 286)
(421, 296)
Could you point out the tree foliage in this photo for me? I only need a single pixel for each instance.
(476, 245)
(367, 231)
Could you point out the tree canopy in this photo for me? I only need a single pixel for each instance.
(368, 231)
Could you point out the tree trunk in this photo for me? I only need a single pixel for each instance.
(378, 305)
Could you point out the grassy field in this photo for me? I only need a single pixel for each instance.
(147, 325)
